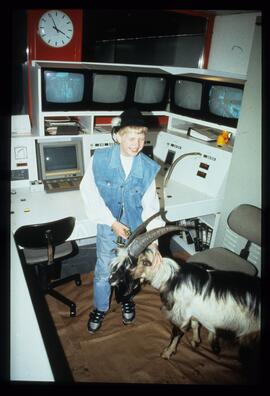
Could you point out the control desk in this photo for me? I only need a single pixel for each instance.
(40, 207)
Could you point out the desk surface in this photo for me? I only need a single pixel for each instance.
(39, 207)
(28, 207)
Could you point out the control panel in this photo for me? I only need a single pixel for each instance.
(203, 167)
(193, 175)
(23, 161)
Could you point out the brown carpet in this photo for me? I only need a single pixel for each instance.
(131, 354)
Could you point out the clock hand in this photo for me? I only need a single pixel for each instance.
(54, 27)
(62, 32)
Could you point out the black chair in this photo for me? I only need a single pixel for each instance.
(45, 246)
(244, 220)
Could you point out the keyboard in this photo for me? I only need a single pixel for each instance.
(60, 185)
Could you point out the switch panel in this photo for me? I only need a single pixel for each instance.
(19, 174)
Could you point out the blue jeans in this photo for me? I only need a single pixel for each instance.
(105, 245)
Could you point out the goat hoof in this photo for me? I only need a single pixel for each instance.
(194, 344)
(166, 354)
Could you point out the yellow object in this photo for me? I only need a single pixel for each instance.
(223, 138)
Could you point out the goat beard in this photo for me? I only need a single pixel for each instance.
(128, 286)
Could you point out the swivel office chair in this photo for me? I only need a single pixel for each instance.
(245, 220)
(45, 246)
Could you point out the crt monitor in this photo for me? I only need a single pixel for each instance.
(110, 90)
(65, 89)
(60, 159)
(150, 92)
(187, 96)
(223, 103)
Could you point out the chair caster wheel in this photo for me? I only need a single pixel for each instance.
(73, 310)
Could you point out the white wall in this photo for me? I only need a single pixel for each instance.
(245, 174)
(231, 42)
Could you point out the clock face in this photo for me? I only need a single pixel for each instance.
(55, 28)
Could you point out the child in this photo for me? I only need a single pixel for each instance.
(119, 193)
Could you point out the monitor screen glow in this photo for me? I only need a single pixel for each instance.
(225, 101)
(60, 158)
(188, 94)
(149, 90)
(109, 88)
(63, 87)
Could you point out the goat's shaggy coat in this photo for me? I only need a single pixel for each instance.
(222, 301)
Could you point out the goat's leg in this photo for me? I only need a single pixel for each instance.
(195, 325)
(175, 338)
(214, 342)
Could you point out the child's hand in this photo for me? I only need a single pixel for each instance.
(120, 229)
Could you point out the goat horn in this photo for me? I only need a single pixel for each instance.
(142, 226)
(142, 241)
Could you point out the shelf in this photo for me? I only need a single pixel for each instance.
(208, 220)
(182, 123)
(183, 245)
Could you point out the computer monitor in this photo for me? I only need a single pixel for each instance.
(187, 96)
(223, 103)
(110, 91)
(60, 159)
(65, 89)
(150, 92)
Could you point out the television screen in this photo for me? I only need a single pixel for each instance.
(150, 92)
(188, 94)
(225, 101)
(60, 158)
(65, 89)
(109, 88)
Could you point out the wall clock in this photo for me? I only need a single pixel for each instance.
(51, 37)
(40, 49)
(55, 28)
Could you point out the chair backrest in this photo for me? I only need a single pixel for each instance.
(245, 220)
(35, 235)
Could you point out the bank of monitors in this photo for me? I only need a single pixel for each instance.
(67, 89)
(71, 89)
(208, 100)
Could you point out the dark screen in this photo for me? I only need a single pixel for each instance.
(58, 158)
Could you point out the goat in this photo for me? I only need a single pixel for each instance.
(221, 301)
